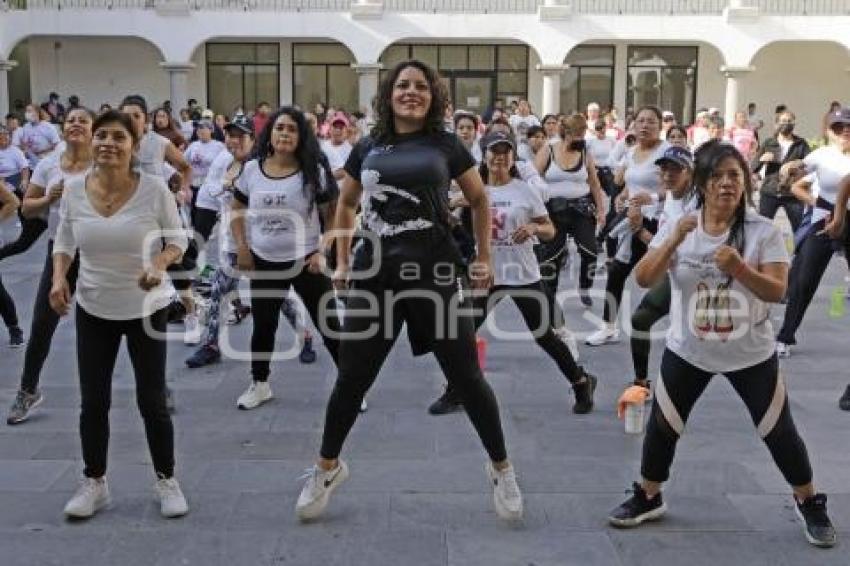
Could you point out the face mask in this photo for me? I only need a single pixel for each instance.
(577, 145)
(786, 129)
(31, 117)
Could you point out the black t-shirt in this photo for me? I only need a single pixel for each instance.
(405, 193)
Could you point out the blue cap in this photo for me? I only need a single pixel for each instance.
(681, 156)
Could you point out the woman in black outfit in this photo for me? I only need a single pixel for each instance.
(407, 271)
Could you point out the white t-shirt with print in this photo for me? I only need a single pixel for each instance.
(829, 165)
(279, 226)
(520, 124)
(208, 194)
(47, 174)
(34, 139)
(337, 154)
(511, 206)
(200, 156)
(714, 327)
(12, 161)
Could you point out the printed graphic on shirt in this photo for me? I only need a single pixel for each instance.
(383, 206)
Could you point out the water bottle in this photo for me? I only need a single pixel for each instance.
(836, 303)
(634, 418)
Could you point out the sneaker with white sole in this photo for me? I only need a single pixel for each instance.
(568, 338)
(192, 330)
(783, 350)
(258, 393)
(364, 406)
(603, 336)
(638, 509)
(23, 405)
(317, 491)
(91, 497)
(172, 502)
(506, 494)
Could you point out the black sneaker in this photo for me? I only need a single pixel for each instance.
(584, 394)
(308, 354)
(818, 528)
(449, 402)
(844, 402)
(204, 356)
(637, 509)
(16, 337)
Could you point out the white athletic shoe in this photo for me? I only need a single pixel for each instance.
(258, 393)
(506, 494)
(607, 335)
(317, 491)
(91, 497)
(192, 332)
(568, 338)
(364, 406)
(783, 350)
(172, 502)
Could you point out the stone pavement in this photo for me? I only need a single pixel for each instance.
(418, 495)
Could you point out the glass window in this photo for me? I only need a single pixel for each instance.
(224, 88)
(453, 57)
(569, 90)
(662, 56)
(231, 53)
(596, 86)
(310, 85)
(343, 88)
(665, 77)
(428, 54)
(268, 53)
(394, 54)
(482, 57)
(321, 53)
(513, 57)
(261, 85)
(513, 82)
(598, 55)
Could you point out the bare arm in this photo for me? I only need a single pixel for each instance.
(545, 228)
(542, 158)
(803, 191)
(596, 190)
(36, 201)
(473, 190)
(9, 202)
(768, 282)
(350, 191)
(176, 159)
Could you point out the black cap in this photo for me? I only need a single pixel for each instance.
(242, 123)
(840, 116)
(681, 156)
(496, 138)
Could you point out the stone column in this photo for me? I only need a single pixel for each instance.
(178, 80)
(732, 75)
(367, 79)
(552, 87)
(5, 67)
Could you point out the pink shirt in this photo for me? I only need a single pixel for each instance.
(743, 139)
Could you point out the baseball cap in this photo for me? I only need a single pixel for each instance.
(667, 114)
(206, 124)
(840, 116)
(207, 114)
(242, 123)
(340, 117)
(680, 156)
(496, 138)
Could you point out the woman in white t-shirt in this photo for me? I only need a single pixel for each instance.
(9, 204)
(638, 208)
(42, 199)
(37, 137)
(518, 219)
(201, 154)
(829, 164)
(726, 265)
(282, 203)
(125, 225)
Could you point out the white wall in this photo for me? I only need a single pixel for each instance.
(535, 83)
(102, 70)
(804, 76)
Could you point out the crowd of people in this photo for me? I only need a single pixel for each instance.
(424, 217)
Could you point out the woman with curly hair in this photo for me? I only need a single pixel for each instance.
(282, 201)
(407, 270)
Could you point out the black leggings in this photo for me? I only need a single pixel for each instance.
(769, 204)
(7, 308)
(532, 301)
(553, 254)
(98, 341)
(267, 296)
(654, 306)
(807, 269)
(761, 389)
(44, 321)
(361, 357)
(618, 273)
(203, 222)
(31, 230)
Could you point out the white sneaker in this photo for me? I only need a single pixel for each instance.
(258, 393)
(318, 489)
(364, 406)
(783, 350)
(568, 338)
(172, 502)
(192, 334)
(607, 335)
(506, 495)
(91, 497)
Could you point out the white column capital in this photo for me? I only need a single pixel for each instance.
(552, 68)
(176, 66)
(733, 71)
(367, 68)
(7, 65)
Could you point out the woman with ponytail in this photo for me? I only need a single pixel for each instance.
(726, 265)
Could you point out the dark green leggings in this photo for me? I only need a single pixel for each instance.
(654, 306)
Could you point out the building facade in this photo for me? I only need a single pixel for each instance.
(560, 55)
